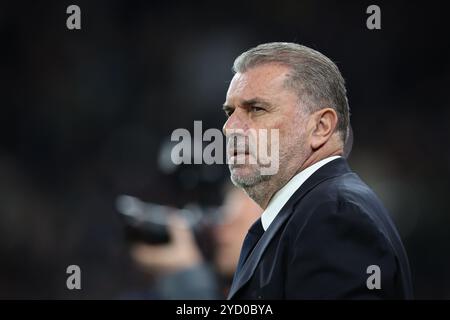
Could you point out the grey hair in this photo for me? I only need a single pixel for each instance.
(314, 77)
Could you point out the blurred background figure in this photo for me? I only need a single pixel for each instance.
(240, 212)
(179, 269)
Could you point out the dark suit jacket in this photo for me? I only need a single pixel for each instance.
(321, 243)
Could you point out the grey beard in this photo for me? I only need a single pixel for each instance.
(248, 181)
(260, 187)
(254, 185)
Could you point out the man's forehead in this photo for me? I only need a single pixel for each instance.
(262, 80)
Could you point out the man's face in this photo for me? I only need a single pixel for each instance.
(258, 99)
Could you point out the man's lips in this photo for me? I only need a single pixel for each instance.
(238, 157)
(236, 153)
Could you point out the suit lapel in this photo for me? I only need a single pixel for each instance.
(330, 170)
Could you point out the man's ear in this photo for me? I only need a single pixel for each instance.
(323, 126)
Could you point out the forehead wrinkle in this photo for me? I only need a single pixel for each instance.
(264, 82)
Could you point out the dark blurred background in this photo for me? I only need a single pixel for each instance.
(85, 115)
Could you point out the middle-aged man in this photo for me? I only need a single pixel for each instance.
(323, 234)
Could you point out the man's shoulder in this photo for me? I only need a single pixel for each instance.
(346, 189)
(345, 197)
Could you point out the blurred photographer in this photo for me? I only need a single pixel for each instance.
(180, 268)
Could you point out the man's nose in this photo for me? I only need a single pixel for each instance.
(236, 121)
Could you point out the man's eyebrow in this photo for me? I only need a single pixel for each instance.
(227, 107)
(248, 103)
(256, 101)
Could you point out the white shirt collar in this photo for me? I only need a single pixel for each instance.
(280, 198)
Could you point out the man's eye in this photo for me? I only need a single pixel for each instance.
(256, 109)
(228, 112)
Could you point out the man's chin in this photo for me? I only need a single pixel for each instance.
(245, 177)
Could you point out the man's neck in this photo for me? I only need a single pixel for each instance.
(264, 191)
(316, 157)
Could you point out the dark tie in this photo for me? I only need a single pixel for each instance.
(254, 233)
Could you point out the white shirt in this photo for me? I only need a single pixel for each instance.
(280, 198)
